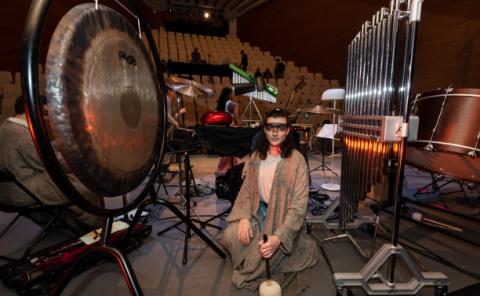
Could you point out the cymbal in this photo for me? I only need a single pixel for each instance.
(336, 111)
(189, 88)
(316, 110)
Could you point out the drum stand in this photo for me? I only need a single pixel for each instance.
(249, 110)
(436, 187)
(187, 219)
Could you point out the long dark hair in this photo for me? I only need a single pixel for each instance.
(263, 145)
(224, 97)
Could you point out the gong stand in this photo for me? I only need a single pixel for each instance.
(120, 259)
(33, 30)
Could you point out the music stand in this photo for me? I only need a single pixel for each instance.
(333, 94)
(326, 132)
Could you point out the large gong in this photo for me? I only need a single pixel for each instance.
(105, 102)
(102, 99)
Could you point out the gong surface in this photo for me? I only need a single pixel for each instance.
(103, 99)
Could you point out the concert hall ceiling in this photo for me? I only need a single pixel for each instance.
(230, 9)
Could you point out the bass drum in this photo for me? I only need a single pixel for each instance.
(448, 133)
(217, 118)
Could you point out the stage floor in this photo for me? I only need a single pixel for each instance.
(157, 263)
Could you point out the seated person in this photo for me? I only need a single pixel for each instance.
(273, 200)
(174, 116)
(18, 154)
(258, 73)
(279, 69)
(267, 75)
(196, 57)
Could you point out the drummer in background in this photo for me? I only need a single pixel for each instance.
(18, 155)
(227, 104)
(172, 113)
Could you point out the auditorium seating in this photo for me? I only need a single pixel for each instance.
(178, 47)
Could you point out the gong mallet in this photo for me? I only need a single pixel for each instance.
(269, 287)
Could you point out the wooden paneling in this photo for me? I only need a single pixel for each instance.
(316, 34)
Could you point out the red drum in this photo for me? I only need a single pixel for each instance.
(217, 118)
(448, 133)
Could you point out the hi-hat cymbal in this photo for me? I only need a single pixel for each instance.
(189, 88)
(316, 110)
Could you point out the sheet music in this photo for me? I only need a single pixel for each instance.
(327, 131)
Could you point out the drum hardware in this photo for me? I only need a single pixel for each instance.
(429, 146)
(187, 218)
(436, 187)
(183, 143)
(371, 98)
(473, 153)
(185, 87)
(317, 110)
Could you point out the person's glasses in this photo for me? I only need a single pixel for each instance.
(279, 127)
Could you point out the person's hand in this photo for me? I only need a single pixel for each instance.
(244, 232)
(267, 249)
(182, 111)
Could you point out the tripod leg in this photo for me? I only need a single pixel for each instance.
(121, 260)
(195, 229)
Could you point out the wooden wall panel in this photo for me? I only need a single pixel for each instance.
(316, 34)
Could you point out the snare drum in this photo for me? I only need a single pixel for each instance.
(448, 133)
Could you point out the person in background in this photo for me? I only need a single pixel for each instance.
(258, 73)
(272, 200)
(279, 69)
(243, 60)
(19, 155)
(196, 56)
(267, 75)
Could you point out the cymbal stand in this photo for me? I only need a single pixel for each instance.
(187, 219)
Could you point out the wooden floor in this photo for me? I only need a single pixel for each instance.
(157, 263)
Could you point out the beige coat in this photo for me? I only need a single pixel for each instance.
(285, 218)
(18, 154)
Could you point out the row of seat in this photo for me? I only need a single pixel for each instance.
(223, 50)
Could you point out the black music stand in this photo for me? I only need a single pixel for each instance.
(323, 166)
(325, 134)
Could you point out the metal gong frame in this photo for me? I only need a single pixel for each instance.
(33, 32)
